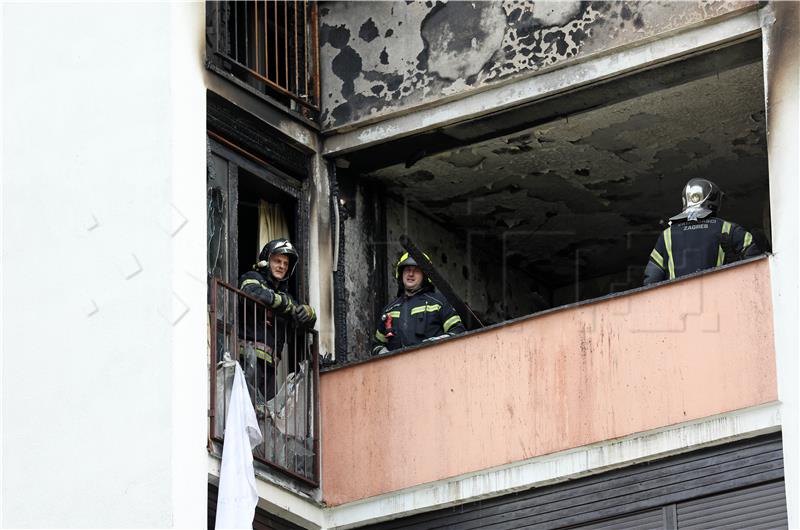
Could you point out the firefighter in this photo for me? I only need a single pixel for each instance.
(696, 238)
(266, 330)
(418, 314)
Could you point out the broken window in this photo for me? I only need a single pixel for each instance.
(269, 45)
(562, 200)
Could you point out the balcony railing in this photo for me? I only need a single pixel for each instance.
(268, 44)
(281, 368)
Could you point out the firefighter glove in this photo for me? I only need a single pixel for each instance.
(726, 243)
(305, 315)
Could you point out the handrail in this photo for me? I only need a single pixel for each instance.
(281, 365)
(270, 43)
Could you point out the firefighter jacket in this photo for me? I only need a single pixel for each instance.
(691, 246)
(267, 327)
(409, 320)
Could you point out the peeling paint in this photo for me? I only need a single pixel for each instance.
(428, 50)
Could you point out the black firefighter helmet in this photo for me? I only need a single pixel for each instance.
(274, 247)
(406, 260)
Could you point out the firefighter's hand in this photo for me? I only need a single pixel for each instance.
(726, 243)
(381, 351)
(305, 315)
(434, 339)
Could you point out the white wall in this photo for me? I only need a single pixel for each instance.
(781, 26)
(103, 368)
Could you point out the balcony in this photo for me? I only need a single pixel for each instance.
(281, 368)
(548, 383)
(269, 47)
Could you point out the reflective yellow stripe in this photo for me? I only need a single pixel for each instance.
(748, 239)
(260, 352)
(394, 314)
(726, 229)
(668, 244)
(423, 308)
(277, 300)
(380, 337)
(450, 322)
(657, 258)
(250, 282)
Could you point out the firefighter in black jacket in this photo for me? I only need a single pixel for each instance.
(696, 238)
(418, 314)
(265, 330)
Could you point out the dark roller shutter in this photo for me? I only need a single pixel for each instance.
(762, 506)
(649, 520)
(644, 493)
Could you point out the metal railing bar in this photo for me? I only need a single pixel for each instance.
(294, 27)
(305, 47)
(286, 43)
(277, 62)
(255, 28)
(266, 40)
(315, 50)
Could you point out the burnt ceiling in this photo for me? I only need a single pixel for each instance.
(585, 195)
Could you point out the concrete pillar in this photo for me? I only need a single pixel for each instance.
(781, 33)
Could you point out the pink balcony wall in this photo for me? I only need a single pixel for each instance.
(550, 382)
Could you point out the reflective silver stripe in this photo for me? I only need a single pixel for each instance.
(657, 258)
(250, 282)
(394, 314)
(450, 322)
(668, 244)
(748, 239)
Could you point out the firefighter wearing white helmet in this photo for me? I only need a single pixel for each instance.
(419, 313)
(697, 239)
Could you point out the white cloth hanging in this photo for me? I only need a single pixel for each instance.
(237, 497)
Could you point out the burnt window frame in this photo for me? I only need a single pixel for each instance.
(296, 189)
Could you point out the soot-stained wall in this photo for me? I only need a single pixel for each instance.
(371, 252)
(378, 57)
(494, 292)
(362, 218)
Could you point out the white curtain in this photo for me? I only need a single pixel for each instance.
(271, 223)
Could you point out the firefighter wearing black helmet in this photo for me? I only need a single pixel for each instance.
(697, 239)
(418, 314)
(266, 330)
